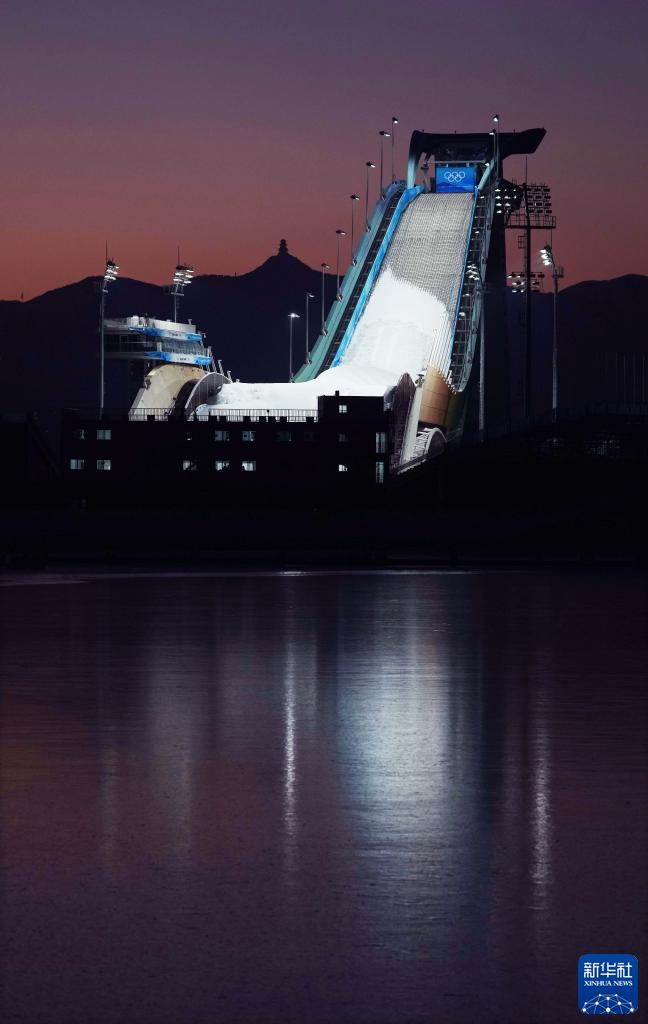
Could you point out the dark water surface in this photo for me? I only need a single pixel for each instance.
(363, 797)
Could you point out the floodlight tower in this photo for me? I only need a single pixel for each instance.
(183, 276)
(110, 275)
(547, 257)
(532, 213)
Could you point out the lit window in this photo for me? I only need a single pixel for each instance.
(189, 465)
(104, 435)
(284, 435)
(77, 463)
(248, 435)
(80, 434)
(221, 435)
(343, 438)
(342, 409)
(381, 442)
(104, 464)
(380, 472)
(221, 464)
(249, 467)
(342, 468)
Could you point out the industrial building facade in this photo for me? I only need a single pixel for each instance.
(346, 442)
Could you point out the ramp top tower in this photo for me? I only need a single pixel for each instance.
(470, 147)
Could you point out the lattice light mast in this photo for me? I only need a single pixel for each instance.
(110, 275)
(183, 276)
(529, 207)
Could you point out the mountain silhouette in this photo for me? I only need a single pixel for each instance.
(49, 346)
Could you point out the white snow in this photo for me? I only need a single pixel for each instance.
(405, 325)
(348, 380)
(401, 327)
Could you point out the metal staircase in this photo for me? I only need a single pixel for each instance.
(471, 297)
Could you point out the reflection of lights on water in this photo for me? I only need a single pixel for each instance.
(172, 726)
(299, 693)
(289, 807)
(541, 813)
(397, 731)
(109, 804)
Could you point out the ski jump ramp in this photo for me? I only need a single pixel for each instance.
(408, 312)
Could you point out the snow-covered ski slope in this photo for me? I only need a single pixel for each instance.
(408, 315)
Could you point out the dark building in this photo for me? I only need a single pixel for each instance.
(346, 443)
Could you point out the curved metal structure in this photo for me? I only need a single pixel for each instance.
(471, 147)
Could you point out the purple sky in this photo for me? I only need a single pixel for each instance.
(224, 127)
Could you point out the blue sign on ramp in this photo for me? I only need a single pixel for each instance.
(455, 179)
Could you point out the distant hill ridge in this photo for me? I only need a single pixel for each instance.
(49, 345)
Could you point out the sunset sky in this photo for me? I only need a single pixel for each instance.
(223, 127)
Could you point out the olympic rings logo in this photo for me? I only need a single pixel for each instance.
(454, 177)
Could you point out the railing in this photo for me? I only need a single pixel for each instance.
(151, 414)
(470, 300)
(328, 342)
(371, 269)
(142, 343)
(224, 412)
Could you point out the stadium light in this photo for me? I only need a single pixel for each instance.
(383, 136)
(291, 318)
(183, 276)
(324, 267)
(309, 296)
(368, 165)
(340, 233)
(110, 275)
(547, 257)
(393, 143)
(354, 199)
(111, 272)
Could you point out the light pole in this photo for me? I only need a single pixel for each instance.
(393, 143)
(368, 165)
(339, 232)
(496, 143)
(324, 267)
(354, 199)
(110, 275)
(309, 296)
(291, 317)
(183, 276)
(557, 272)
(383, 136)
